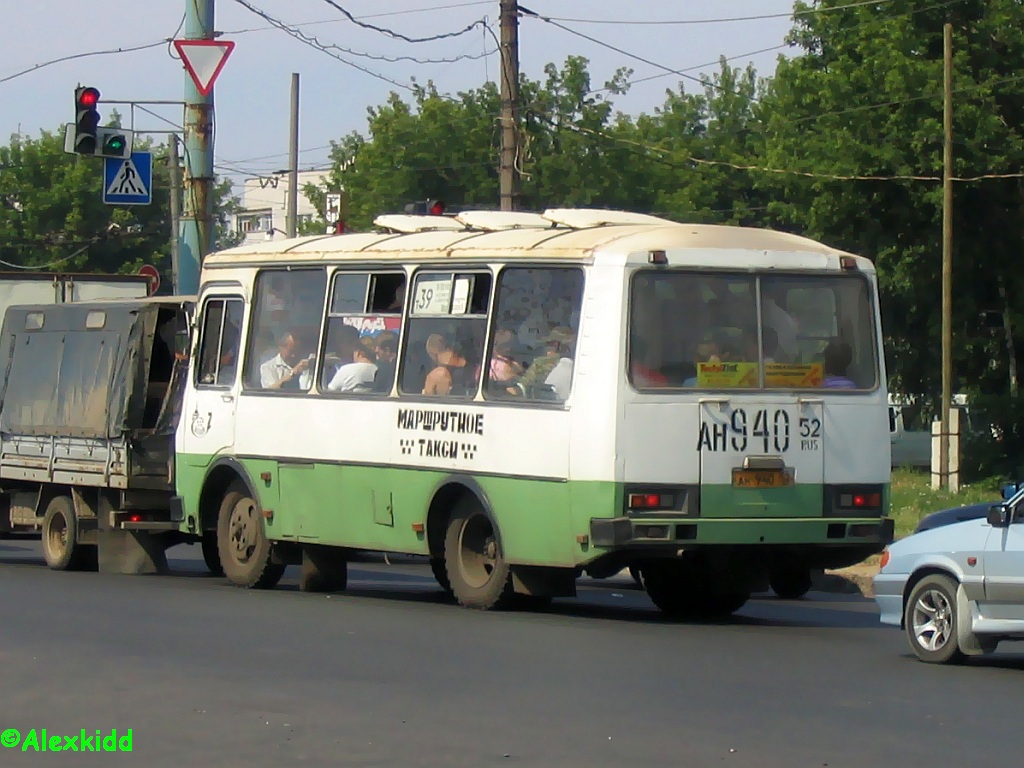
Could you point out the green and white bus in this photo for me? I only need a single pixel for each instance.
(524, 397)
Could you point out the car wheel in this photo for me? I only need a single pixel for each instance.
(930, 619)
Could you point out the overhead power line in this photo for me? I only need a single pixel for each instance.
(399, 35)
(762, 17)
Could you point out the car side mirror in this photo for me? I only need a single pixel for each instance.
(998, 516)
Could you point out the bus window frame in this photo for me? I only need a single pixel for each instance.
(455, 270)
(372, 273)
(872, 303)
(201, 340)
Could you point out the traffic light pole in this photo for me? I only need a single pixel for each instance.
(195, 233)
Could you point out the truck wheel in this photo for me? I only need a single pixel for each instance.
(243, 544)
(476, 567)
(790, 583)
(211, 555)
(60, 531)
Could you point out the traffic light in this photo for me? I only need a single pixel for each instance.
(114, 142)
(87, 120)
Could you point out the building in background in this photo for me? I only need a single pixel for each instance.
(263, 215)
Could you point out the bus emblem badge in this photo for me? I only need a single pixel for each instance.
(201, 425)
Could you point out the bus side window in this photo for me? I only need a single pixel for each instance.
(286, 303)
(219, 342)
(533, 341)
(363, 324)
(443, 346)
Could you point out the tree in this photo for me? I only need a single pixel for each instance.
(52, 216)
(864, 99)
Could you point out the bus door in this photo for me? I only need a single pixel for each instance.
(761, 459)
(208, 418)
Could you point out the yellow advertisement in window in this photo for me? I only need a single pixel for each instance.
(794, 375)
(726, 375)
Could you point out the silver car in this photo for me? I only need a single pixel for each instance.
(957, 590)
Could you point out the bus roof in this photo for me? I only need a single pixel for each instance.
(561, 234)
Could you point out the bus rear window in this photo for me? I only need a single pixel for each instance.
(733, 331)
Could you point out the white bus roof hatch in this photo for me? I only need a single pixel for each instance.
(584, 218)
(409, 223)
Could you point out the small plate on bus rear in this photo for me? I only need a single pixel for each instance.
(761, 478)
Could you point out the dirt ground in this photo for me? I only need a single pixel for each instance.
(855, 578)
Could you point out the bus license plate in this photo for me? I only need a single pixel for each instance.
(761, 478)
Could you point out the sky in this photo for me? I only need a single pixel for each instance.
(252, 93)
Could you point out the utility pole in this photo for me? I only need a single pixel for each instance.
(196, 229)
(174, 171)
(291, 217)
(947, 252)
(510, 154)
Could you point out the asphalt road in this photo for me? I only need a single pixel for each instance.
(390, 674)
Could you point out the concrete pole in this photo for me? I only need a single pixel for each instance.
(508, 171)
(291, 217)
(174, 172)
(947, 252)
(196, 230)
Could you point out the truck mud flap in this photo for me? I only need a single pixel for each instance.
(131, 552)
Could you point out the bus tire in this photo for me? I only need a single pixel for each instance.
(681, 593)
(477, 571)
(790, 583)
(211, 553)
(243, 544)
(60, 533)
(438, 568)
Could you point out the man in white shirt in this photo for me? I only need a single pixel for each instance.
(285, 370)
(356, 376)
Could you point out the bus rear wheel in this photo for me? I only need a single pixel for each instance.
(477, 571)
(243, 544)
(790, 583)
(682, 593)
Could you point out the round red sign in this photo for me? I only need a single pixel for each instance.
(153, 274)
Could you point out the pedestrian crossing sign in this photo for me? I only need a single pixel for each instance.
(128, 181)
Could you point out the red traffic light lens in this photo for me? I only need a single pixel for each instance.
(88, 97)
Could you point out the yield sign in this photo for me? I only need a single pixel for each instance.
(204, 59)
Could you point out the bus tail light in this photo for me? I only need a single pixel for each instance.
(651, 501)
(855, 500)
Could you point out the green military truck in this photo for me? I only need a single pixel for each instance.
(90, 398)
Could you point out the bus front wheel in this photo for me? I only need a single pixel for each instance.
(243, 544)
(477, 571)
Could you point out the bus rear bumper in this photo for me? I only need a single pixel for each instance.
(625, 532)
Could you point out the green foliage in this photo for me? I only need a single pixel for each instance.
(912, 497)
(52, 215)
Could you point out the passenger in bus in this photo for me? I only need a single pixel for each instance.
(387, 361)
(641, 369)
(358, 375)
(838, 357)
(557, 344)
(780, 321)
(452, 373)
(342, 339)
(289, 369)
(398, 301)
(504, 371)
(560, 377)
